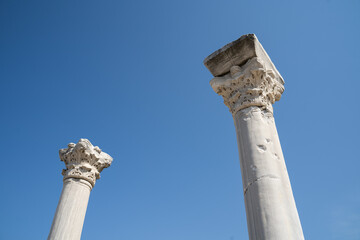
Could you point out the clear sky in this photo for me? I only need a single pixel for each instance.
(129, 76)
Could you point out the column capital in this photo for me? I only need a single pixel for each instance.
(84, 161)
(244, 75)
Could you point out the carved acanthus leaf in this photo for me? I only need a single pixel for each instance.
(249, 85)
(84, 161)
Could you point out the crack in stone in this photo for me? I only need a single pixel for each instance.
(258, 179)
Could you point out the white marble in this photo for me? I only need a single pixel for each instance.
(270, 206)
(84, 162)
(249, 83)
(70, 213)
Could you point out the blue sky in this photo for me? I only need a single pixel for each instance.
(129, 76)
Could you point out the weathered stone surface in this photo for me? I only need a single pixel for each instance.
(237, 53)
(270, 207)
(252, 84)
(249, 83)
(84, 161)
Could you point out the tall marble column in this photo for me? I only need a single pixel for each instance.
(84, 162)
(249, 83)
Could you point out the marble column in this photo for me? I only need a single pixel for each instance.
(84, 162)
(249, 83)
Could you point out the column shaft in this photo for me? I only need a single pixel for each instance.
(70, 213)
(270, 206)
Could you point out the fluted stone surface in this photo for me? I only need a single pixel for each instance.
(71, 210)
(270, 206)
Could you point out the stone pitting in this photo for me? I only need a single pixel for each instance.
(84, 161)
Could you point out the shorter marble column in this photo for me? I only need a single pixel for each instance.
(84, 162)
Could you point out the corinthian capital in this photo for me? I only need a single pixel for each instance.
(84, 161)
(250, 85)
(245, 75)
